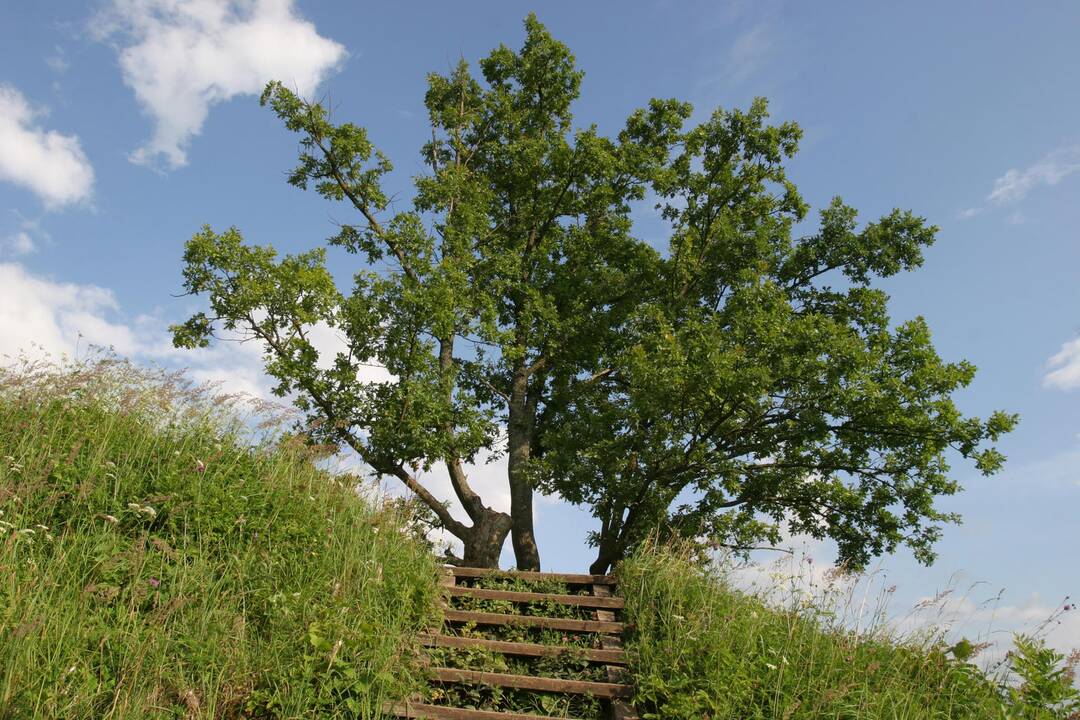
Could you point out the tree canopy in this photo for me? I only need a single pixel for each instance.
(738, 380)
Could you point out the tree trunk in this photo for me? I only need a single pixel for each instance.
(608, 552)
(519, 445)
(486, 539)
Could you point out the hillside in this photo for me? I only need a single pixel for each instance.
(156, 564)
(163, 555)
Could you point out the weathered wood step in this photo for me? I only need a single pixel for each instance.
(528, 682)
(589, 601)
(568, 624)
(572, 578)
(611, 657)
(439, 712)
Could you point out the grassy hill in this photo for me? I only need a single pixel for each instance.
(704, 649)
(157, 562)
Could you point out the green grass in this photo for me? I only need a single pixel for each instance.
(702, 649)
(155, 563)
(160, 559)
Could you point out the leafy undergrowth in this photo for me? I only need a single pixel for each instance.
(155, 563)
(702, 649)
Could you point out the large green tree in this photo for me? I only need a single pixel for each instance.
(718, 388)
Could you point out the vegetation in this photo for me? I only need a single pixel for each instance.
(158, 559)
(155, 563)
(719, 384)
(570, 664)
(702, 649)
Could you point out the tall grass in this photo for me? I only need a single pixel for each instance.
(703, 649)
(156, 561)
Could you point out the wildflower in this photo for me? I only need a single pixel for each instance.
(770, 666)
(200, 467)
(109, 519)
(154, 582)
(144, 510)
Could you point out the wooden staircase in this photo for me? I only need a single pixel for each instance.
(596, 642)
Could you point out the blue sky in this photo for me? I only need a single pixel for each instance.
(127, 124)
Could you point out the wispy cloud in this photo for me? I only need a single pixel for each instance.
(183, 56)
(1063, 368)
(57, 60)
(48, 163)
(749, 51)
(1016, 184)
(17, 244)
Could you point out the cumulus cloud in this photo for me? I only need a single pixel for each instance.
(48, 163)
(1063, 368)
(41, 316)
(183, 56)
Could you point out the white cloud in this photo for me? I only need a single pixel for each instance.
(50, 164)
(1015, 185)
(41, 316)
(1064, 367)
(182, 56)
(18, 244)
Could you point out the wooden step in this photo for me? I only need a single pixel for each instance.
(439, 712)
(568, 624)
(573, 579)
(528, 682)
(611, 657)
(590, 601)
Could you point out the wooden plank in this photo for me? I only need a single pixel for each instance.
(439, 712)
(568, 624)
(528, 682)
(614, 657)
(590, 601)
(573, 579)
(619, 708)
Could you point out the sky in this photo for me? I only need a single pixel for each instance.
(125, 125)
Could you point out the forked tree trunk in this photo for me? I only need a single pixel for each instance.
(608, 553)
(486, 539)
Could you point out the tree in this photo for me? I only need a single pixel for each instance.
(714, 389)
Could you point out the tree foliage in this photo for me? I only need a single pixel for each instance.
(738, 379)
